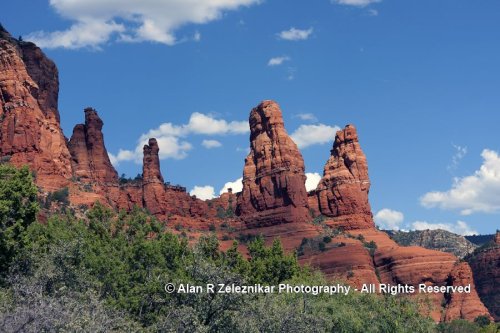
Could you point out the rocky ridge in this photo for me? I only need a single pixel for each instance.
(440, 240)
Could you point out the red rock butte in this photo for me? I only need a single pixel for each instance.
(273, 202)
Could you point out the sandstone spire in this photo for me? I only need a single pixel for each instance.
(343, 191)
(152, 181)
(90, 158)
(151, 163)
(273, 177)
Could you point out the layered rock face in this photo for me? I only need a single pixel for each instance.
(89, 157)
(415, 265)
(273, 177)
(485, 264)
(343, 191)
(29, 121)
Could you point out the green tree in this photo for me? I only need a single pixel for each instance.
(18, 209)
(270, 265)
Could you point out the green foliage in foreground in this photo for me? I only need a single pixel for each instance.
(18, 209)
(107, 274)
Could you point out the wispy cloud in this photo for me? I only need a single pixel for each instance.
(459, 154)
(276, 61)
(294, 34)
(306, 117)
(209, 144)
(95, 21)
(356, 3)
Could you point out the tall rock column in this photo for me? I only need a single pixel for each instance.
(30, 133)
(90, 158)
(273, 177)
(343, 191)
(152, 180)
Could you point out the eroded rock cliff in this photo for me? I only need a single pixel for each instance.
(30, 132)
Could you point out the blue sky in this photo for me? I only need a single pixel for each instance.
(419, 79)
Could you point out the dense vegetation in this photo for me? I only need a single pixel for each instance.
(107, 272)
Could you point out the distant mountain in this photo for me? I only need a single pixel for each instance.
(440, 240)
(480, 240)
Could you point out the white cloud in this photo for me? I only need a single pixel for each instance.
(94, 21)
(479, 192)
(306, 117)
(85, 33)
(389, 219)
(307, 135)
(357, 3)
(237, 186)
(276, 61)
(373, 12)
(123, 155)
(209, 144)
(460, 228)
(200, 123)
(312, 180)
(295, 34)
(460, 153)
(171, 140)
(203, 192)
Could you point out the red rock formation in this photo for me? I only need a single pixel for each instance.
(312, 200)
(485, 264)
(89, 157)
(29, 122)
(224, 205)
(153, 186)
(273, 192)
(414, 265)
(151, 163)
(273, 177)
(463, 305)
(163, 200)
(343, 190)
(344, 259)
